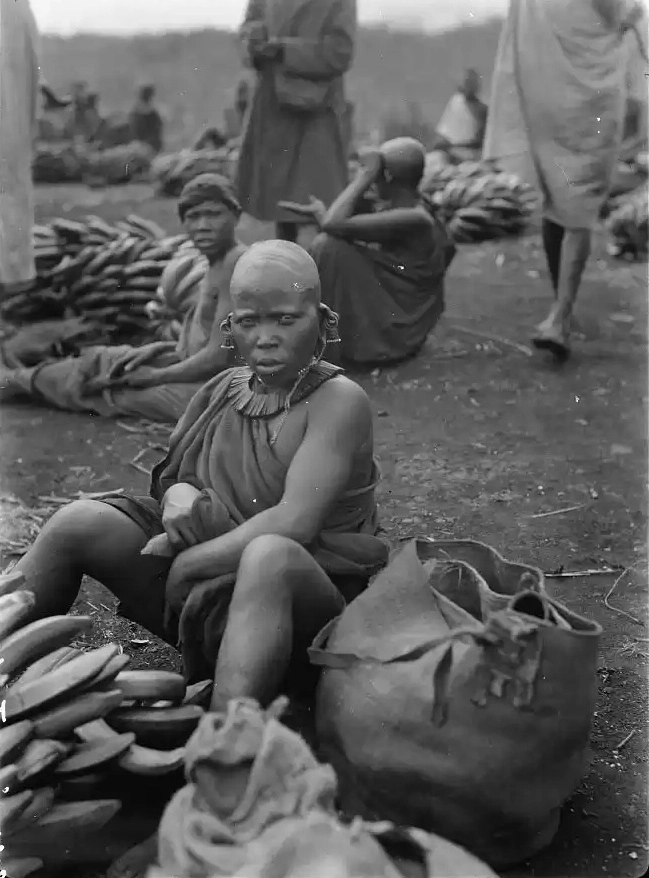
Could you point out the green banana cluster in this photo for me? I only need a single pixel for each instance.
(478, 203)
(105, 273)
(171, 172)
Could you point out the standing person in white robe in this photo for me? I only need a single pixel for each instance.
(19, 93)
(556, 116)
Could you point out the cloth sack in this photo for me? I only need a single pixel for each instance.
(259, 805)
(456, 696)
(318, 845)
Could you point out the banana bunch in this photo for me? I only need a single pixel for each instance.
(56, 163)
(117, 165)
(628, 225)
(105, 273)
(171, 172)
(437, 176)
(74, 163)
(178, 288)
(477, 203)
(70, 715)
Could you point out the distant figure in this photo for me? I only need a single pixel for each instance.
(76, 123)
(235, 115)
(147, 124)
(461, 130)
(19, 100)
(556, 117)
(94, 124)
(295, 138)
(382, 267)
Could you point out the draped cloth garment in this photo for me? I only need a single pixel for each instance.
(221, 448)
(19, 81)
(389, 297)
(557, 106)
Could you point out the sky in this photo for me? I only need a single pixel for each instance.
(132, 16)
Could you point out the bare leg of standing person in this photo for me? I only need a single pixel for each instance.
(553, 234)
(554, 333)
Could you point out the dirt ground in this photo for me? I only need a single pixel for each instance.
(475, 438)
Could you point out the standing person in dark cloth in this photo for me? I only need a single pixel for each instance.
(382, 265)
(294, 141)
(147, 124)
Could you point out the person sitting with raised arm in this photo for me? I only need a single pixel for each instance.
(382, 260)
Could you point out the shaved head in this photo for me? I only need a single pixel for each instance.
(405, 159)
(276, 267)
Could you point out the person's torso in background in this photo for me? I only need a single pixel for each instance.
(199, 320)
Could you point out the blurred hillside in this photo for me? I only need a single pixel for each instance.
(196, 72)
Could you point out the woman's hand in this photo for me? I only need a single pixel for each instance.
(271, 50)
(144, 376)
(372, 164)
(178, 575)
(176, 516)
(315, 210)
(132, 360)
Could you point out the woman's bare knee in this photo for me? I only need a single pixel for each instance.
(273, 558)
(88, 529)
(74, 523)
(275, 568)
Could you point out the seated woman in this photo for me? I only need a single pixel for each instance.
(382, 261)
(461, 130)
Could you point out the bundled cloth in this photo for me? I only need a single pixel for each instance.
(457, 696)
(258, 804)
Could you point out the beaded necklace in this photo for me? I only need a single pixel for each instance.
(268, 403)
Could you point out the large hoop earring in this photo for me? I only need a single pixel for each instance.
(331, 321)
(226, 331)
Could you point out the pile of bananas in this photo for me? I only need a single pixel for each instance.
(70, 717)
(171, 172)
(69, 162)
(628, 225)
(56, 163)
(177, 288)
(105, 273)
(478, 203)
(117, 165)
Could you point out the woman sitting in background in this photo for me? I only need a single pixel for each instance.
(382, 259)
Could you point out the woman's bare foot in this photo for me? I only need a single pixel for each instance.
(552, 337)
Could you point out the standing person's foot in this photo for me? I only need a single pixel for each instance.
(554, 338)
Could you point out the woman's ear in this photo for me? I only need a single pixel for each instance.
(329, 324)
